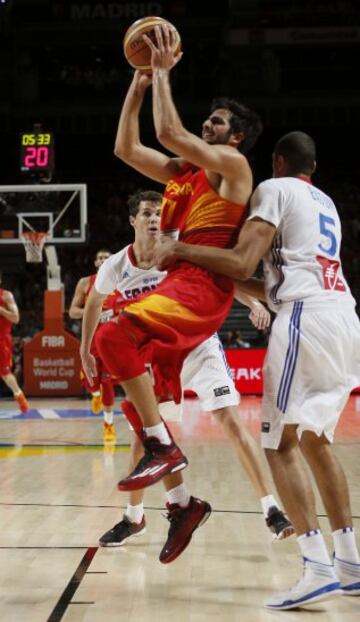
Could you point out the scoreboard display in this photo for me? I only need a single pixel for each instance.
(37, 152)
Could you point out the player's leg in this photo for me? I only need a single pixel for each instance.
(248, 453)
(206, 372)
(319, 578)
(118, 345)
(290, 394)
(12, 383)
(108, 400)
(132, 523)
(333, 487)
(185, 513)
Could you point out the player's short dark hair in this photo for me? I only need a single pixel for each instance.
(299, 151)
(103, 250)
(242, 120)
(137, 197)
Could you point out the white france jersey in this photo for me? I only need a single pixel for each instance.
(120, 272)
(304, 260)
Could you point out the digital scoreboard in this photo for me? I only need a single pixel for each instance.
(37, 152)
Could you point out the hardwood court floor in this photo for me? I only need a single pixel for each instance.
(58, 495)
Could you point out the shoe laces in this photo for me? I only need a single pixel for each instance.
(147, 457)
(173, 515)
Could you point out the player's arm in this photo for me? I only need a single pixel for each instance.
(9, 309)
(239, 263)
(91, 317)
(259, 315)
(76, 310)
(170, 131)
(251, 289)
(128, 146)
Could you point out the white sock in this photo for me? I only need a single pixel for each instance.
(345, 545)
(179, 495)
(109, 417)
(313, 547)
(17, 393)
(96, 394)
(135, 512)
(160, 432)
(268, 502)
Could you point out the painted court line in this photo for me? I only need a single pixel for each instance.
(49, 413)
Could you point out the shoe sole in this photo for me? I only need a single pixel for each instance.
(201, 522)
(130, 485)
(285, 533)
(304, 603)
(112, 545)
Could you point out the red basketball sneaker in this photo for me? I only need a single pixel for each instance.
(159, 460)
(183, 522)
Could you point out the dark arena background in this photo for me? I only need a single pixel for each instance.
(63, 79)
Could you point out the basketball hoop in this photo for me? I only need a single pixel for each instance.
(34, 243)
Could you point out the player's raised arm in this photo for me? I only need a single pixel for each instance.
(128, 146)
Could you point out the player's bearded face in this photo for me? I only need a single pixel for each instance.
(216, 129)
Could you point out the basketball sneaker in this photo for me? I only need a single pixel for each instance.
(319, 581)
(159, 460)
(22, 402)
(122, 532)
(349, 575)
(96, 404)
(109, 433)
(278, 524)
(183, 522)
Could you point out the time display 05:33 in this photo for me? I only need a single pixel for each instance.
(37, 151)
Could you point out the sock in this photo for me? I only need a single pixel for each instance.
(96, 394)
(17, 393)
(160, 432)
(345, 545)
(313, 547)
(135, 512)
(109, 417)
(179, 495)
(268, 502)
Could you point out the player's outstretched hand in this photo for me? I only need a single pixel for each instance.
(260, 316)
(89, 366)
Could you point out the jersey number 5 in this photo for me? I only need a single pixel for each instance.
(327, 226)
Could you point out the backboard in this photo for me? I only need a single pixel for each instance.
(59, 209)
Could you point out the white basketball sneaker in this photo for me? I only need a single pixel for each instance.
(319, 581)
(349, 575)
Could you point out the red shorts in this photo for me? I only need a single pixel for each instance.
(162, 327)
(5, 355)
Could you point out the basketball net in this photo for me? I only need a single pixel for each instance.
(34, 243)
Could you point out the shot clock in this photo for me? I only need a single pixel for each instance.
(37, 152)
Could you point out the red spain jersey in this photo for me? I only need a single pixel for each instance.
(190, 304)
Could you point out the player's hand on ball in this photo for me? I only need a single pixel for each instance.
(164, 54)
(143, 79)
(89, 366)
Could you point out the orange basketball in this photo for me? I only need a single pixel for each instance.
(137, 53)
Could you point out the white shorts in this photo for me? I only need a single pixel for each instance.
(312, 364)
(206, 372)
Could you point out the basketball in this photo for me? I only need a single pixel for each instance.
(137, 53)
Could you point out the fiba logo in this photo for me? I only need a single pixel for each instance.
(52, 341)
